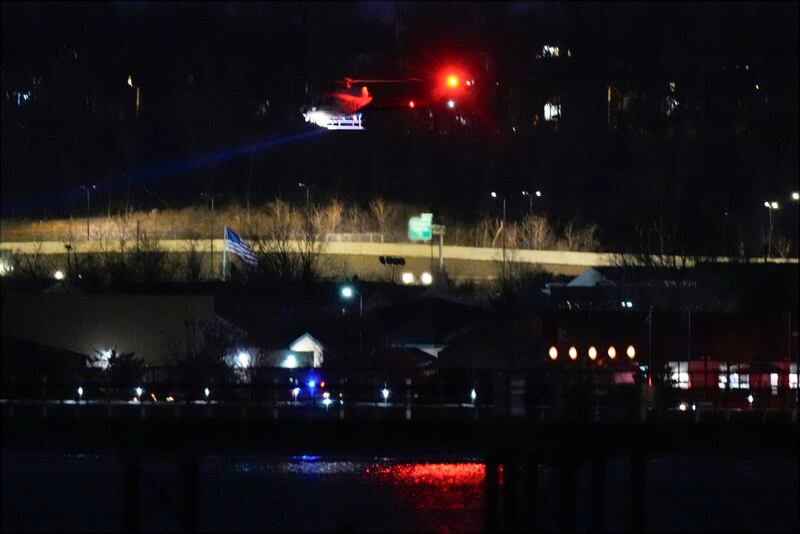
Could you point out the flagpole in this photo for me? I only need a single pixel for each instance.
(224, 251)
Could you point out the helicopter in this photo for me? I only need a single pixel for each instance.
(343, 108)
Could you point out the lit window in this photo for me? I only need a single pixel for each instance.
(773, 379)
(679, 374)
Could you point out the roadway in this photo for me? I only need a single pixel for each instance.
(462, 263)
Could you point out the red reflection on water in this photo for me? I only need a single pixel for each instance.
(436, 474)
(445, 497)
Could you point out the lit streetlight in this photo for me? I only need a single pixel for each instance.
(307, 187)
(537, 194)
(795, 196)
(770, 205)
(138, 94)
(347, 293)
(494, 195)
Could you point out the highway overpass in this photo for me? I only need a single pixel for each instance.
(347, 258)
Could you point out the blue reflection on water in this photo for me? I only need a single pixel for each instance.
(306, 458)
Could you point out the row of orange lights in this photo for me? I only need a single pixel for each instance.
(573, 353)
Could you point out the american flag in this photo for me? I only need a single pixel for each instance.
(240, 247)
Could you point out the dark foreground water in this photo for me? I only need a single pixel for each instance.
(237, 493)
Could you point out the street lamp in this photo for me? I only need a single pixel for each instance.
(347, 293)
(88, 189)
(307, 187)
(537, 194)
(773, 205)
(494, 195)
(795, 196)
(138, 100)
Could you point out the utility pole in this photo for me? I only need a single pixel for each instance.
(211, 197)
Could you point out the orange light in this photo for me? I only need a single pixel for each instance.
(612, 352)
(411, 104)
(631, 352)
(573, 353)
(553, 352)
(592, 353)
(452, 81)
(322, 384)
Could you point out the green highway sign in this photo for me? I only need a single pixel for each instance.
(420, 228)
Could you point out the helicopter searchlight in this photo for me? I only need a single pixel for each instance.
(334, 122)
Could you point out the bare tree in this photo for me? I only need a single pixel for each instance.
(290, 246)
(580, 238)
(536, 232)
(382, 213)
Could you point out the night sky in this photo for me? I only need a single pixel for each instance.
(216, 76)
